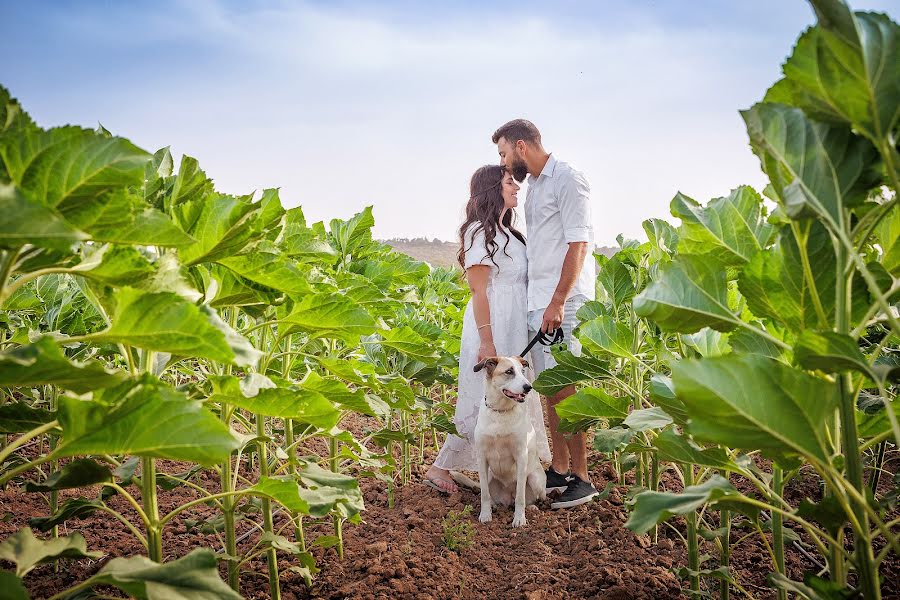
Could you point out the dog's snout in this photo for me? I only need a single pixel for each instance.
(527, 388)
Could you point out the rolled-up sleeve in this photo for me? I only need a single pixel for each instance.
(575, 208)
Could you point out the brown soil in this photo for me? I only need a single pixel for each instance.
(398, 552)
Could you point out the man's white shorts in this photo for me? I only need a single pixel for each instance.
(541, 357)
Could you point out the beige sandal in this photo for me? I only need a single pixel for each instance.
(433, 484)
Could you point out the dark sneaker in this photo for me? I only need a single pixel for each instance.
(576, 494)
(556, 482)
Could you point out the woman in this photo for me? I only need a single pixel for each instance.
(492, 252)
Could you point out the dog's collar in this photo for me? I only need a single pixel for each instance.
(497, 410)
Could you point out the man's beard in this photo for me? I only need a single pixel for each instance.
(518, 170)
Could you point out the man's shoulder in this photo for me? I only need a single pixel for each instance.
(566, 170)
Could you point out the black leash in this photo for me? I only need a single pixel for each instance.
(544, 339)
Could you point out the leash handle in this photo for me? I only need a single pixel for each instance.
(544, 339)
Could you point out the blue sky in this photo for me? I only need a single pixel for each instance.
(344, 104)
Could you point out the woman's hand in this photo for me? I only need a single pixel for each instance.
(486, 350)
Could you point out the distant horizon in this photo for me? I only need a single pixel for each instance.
(347, 104)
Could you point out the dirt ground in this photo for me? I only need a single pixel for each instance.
(398, 552)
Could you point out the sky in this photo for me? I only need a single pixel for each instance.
(343, 104)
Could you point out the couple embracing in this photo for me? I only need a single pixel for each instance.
(519, 289)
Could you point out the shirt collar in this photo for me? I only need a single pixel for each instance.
(548, 169)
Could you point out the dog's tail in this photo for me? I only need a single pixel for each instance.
(465, 481)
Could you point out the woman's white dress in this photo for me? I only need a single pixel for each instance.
(508, 299)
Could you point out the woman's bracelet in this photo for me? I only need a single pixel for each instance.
(480, 327)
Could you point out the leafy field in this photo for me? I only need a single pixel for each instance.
(203, 395)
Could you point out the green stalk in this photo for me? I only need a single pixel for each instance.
(725, 554)
(336, 518)
(778, 527)
(54, 465)
(879, 464)
(692, 536)
(226, 480)
(271, 554)
(867, 572)
(151, 508)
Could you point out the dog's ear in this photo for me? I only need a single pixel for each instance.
(523, 361)
(490, 363)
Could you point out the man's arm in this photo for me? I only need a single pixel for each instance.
(571, 269)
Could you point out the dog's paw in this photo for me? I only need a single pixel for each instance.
(485, 516)
(519, 520)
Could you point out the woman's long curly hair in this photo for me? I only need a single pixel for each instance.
(483, 210)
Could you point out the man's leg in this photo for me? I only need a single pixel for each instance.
(572, 447)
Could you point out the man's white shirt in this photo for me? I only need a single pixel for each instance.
(557, 212)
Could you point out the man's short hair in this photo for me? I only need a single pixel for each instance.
(518, 129)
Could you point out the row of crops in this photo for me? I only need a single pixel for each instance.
(747, 347)
(147, 318)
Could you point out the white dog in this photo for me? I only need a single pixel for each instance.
(505, 441)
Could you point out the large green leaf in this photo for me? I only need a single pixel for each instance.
(259, 394)
(73, 508)
(220, 224)
(846, 70)
(341, 396)
(122, 217)
(652, 507)
(328, 491)
(755, 402)
(266, 266)
(19, 417)
(392, 270)
(588, 407)
(815, 168)
(707, 342)
(570, 370)
(616, 281)
(27, 551)
(406, 341)
(687, 295)
(116, 266)
(147, 419)
(190, 185)
(672, 447)
(167, 322)
(728, 230)
(662, 393)
(24, 221)
(67, 167)
(43, 363)
(830, 352)
(608, 335)
(192, 577)
(330, 316)
(80, 472)
(663, 238)
(354, 234)
(12, 586)
(645, 419)
(888, 235)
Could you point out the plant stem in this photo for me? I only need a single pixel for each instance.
(879, 463)
(151, 508)
(336, 518)
(692, 536)
(271, 554)
(778, 528)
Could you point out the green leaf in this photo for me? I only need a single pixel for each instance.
(192, 577)
(24, 221)
(755, 402)
(570, 370)
(12, 587)
(588, 407)
(611, 440)
(115, 266)
(74, 508)
(220, 224)
(80, 472)
(338, 394)
(19, 417)
(687, 295)
(330, 316)
(663, 238)
(728, 230)
(606, 334)
(122, 217)
(409, 343)
(265, 266)
(647, 418)
(813, 588)
(354, 234)
(190, 185)
(259, 394)
(672, 447)
(888, 236)
(27, 551)
(815, 168)
(830, 352)
(146, 419)
(591, 310)
(67, 167)
(615, 278)
(651, 508)
(282, 489)
(845, 70)
(327, 491)
(167, 322)
(43, 363)
(707, 342)
(662, 393)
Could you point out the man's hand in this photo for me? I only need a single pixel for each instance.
(486, 350)
(553, 316)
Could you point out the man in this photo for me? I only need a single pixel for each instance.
(560, 279)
